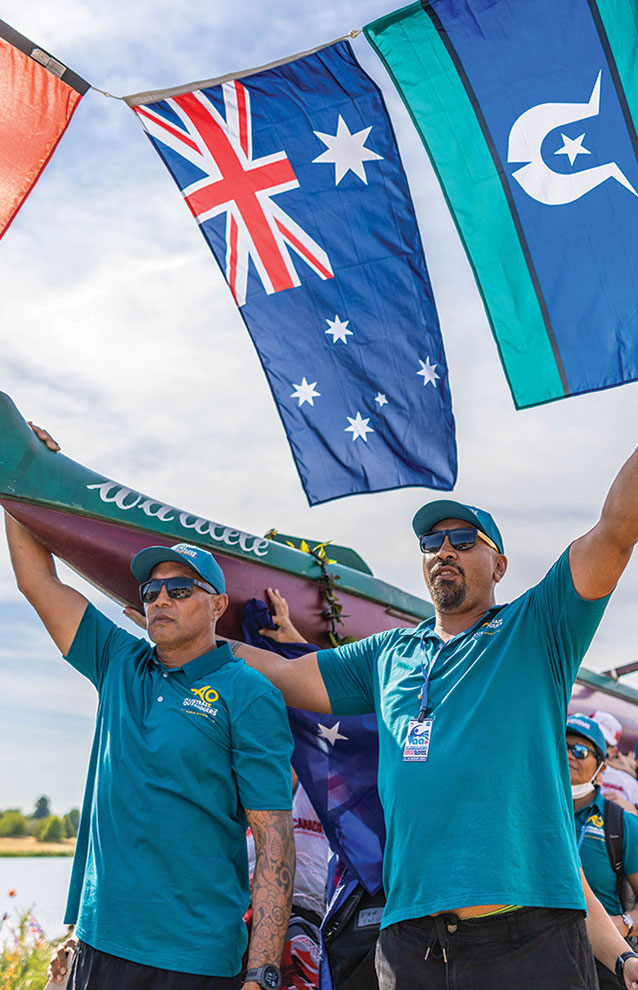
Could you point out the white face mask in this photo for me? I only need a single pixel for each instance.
(583, 790)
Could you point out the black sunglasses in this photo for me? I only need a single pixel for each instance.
(176, 587)
(460, 539)
(581, 752)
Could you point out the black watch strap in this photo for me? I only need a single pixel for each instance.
(267, 977)
(620, 965)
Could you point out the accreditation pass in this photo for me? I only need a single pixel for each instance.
(417, 743)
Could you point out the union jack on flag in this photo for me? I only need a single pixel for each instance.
(293, 175)
(238, 185)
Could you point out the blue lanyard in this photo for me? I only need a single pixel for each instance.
(427, 673)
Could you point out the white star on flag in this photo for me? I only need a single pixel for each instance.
(381, 399)
(358, 427)
(330, 734)
(304, 392)
(339, 329)
(346, 151)
(428, 372)
(572, 147)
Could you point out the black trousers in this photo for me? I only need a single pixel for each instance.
(529, 949)
(94, 970)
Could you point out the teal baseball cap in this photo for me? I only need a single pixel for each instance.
(444, 508)
(581, 725)
(201, 561)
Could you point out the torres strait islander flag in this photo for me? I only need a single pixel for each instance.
(293, 174)
(38, 96)
(528, 111)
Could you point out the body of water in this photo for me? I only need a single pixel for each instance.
(40, 884)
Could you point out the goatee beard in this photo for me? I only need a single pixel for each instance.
(447, 597)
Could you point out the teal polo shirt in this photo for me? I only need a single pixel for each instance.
(488, 818)
(590, 833)
(160, 875)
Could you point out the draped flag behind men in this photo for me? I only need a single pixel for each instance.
(294, 176)
(528, 112)
(38, 96)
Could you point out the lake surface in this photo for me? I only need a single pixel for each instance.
(40, 884)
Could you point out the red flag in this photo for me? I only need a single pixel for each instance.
(38, 96)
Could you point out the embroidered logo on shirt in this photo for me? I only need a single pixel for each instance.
(489, 628)
(202, 703)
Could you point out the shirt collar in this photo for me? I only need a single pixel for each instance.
(205, 664)
(426, 628)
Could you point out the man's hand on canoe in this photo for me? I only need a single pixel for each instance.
(45, 437)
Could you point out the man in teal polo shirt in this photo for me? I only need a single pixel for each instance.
(480, 867)
(190, 745)
(587, 749)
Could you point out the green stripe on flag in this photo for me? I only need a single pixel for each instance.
(424, 73)
(620, 20)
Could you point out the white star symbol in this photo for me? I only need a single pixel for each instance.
(330, 734)
(428, 372)
(346, 152)
(304, 392)
(358, 427)
(339, 329)
(572, 147)
(381, 399)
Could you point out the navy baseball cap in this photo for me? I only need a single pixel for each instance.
(443, 508)
(581, 725)
(201, 561)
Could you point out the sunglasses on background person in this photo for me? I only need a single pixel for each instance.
(581, 752)
(460, 539)
(176, 587)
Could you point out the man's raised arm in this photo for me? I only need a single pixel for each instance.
(60, 607)
(299, 681)
(599, 557)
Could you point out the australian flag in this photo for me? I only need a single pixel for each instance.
(293, 174)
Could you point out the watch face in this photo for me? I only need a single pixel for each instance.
(270, 978)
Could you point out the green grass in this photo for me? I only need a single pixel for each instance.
(13, 853)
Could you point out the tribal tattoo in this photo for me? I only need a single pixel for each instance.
(272, 884)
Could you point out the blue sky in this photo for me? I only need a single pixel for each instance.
(119, 334)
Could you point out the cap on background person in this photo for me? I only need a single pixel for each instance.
(201, 561)
(611, 727)
(581, 725)
(444, 508)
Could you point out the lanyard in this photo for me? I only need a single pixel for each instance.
(427, 673)
(426, 670)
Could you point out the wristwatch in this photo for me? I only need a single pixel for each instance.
(620, 966)
(269, 977)
(629, 921)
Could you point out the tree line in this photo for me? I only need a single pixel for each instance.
(41, 823)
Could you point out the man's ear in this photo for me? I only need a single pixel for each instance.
(220, 604)
(500, 566)
(599, 775)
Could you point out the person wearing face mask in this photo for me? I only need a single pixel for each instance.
(587, 751)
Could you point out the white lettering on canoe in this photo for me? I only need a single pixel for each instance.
(126, 499)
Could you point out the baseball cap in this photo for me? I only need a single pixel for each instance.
(201, 561)
(611, 727)
(581, 725)
(443, 508)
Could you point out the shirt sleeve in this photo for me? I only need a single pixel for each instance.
(567, 621)
(630, 843)
(261, 752)
(349, 674)
(96, 641)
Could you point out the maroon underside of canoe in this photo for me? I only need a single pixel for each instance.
(101, 552)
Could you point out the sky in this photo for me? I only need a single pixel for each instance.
(119, 335)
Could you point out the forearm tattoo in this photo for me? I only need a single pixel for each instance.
(272, 884)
